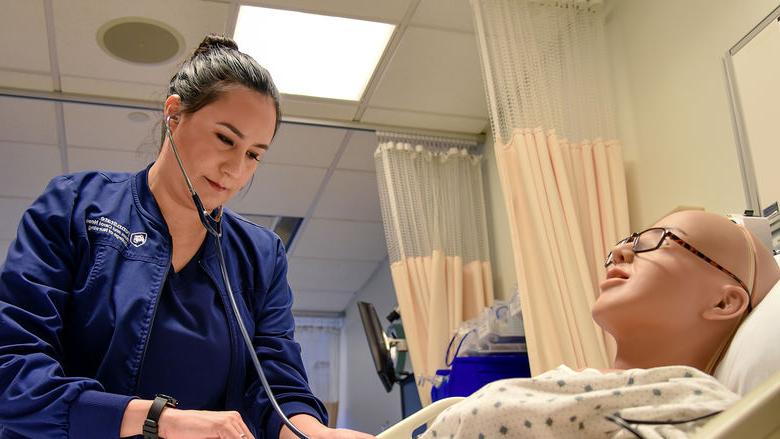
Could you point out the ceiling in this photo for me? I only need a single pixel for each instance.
(428, 80)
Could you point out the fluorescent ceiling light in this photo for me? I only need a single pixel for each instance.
(310, 54)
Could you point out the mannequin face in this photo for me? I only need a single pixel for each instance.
(670, 291)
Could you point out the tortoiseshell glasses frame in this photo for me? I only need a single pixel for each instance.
(652, 239)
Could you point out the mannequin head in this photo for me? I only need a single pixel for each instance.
(671, 306)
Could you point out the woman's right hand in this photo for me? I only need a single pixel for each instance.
(201, 424)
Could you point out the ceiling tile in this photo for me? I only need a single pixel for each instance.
(323, 301)
(336, 239)
(305, 145)
(27, 168)
(261, 220)
(433, 71)
(299, 106)
(377, 10)
(359, 154)
(328, 274)
(11, 210)
(28, 121)
(430, 121)
(88, 159)
(26, 81)
(446, 14)
(280, 190)
(101, 126)
(23, 32)
(351, 195)
(114, 88)
(79, 55)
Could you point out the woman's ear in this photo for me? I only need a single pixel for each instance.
(172, 108)
(731, 303)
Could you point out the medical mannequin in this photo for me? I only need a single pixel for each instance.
(673, 298)
(673, 308)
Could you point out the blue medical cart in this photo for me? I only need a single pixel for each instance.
(469, 374)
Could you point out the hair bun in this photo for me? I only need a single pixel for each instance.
(213, 42)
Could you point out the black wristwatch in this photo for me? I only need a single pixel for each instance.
(153, 417)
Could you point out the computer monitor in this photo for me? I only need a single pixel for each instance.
(376, 343)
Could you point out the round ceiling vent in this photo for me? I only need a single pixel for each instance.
(140, 40)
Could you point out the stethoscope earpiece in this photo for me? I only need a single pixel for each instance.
(169, 118)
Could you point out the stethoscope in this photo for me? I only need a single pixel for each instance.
(213, 225)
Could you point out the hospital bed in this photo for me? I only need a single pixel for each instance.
(757, 415)
(751, 367)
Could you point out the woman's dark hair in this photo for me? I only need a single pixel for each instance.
(214, 68)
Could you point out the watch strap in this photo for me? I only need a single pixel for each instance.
(151, 424)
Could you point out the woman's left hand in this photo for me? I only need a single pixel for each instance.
(342, 433)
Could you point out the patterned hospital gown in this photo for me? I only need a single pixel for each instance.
(563, 403)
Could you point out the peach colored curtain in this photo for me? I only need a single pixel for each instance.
(545, 67)
(435, 294)
(566, 205)
(434, 218)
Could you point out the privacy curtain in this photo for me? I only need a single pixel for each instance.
(547, 81)
(433, 211)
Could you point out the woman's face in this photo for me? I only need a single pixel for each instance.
(222, 144)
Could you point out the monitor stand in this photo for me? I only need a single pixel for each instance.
(410, 399)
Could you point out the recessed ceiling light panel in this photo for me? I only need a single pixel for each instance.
(310, 54)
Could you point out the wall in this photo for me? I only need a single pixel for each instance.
(501, 259)
(364, 405)
(672, 103)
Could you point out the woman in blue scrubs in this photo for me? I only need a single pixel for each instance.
(114, 319)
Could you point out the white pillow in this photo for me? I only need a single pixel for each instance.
(754, 353)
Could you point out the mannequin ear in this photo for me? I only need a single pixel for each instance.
(731, 303)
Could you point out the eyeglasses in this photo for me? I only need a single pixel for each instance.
(652, 239)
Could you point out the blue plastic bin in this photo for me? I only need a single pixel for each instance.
(469, 374)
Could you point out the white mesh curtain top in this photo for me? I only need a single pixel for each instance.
(433, 211)
(431, 179)
(545, 65)
(545, 73)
